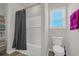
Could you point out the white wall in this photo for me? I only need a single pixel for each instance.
(2, 9)
(73, 35)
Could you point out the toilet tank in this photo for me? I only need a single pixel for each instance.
(57, 40)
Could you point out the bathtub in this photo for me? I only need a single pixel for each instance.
(33, 50)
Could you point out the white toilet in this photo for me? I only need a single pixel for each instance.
(57, 48)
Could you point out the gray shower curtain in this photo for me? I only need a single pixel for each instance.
(20, 30)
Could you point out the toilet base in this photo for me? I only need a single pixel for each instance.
(58, 50)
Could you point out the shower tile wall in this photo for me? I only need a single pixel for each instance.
(33, 30)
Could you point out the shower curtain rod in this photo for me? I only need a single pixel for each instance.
(32, 5)
(29, 6)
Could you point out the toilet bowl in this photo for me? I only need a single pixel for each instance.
(57, 48)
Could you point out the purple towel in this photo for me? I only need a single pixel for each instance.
(74, 20)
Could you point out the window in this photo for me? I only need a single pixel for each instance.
(57, 18)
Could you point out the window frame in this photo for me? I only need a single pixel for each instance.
(63, 9)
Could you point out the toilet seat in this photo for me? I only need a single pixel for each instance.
(58, 49)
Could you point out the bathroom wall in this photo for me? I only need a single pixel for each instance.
(2, 9)
(56, 32)
(73, 35)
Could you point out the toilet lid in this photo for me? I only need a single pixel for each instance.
(58, 49)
